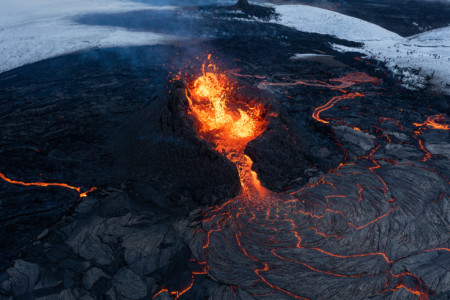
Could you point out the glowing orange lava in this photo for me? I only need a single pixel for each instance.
(229, 122)
(350, 79)
(346, 81)
(46, 184)
(331, 103)
(440, 121)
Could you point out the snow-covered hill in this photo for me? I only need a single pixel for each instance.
(312, 19)
(35, 30)
(427, 54)
(436, 37)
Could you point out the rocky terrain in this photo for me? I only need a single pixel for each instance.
(354, 172)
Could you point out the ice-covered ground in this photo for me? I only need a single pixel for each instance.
(31, 31)
(412, 59)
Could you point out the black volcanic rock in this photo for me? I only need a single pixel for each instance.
(249, 10)
(70, 126)
(159, 149)
(279, 162)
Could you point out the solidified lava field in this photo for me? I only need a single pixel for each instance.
(221, 167)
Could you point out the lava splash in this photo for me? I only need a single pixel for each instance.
(229, 121)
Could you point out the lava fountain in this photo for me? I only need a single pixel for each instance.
(226, 120)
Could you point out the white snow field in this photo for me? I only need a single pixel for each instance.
(427, 53)
(31, 31)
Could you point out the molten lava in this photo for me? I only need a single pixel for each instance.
(47, 184)
(229, 122)
(331, 103)
(440, 121)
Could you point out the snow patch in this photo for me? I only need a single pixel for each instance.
(31, 31)
(317, 20)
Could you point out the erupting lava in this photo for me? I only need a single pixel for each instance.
(226, 120)
(229, 122)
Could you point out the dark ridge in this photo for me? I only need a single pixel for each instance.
(404, 17)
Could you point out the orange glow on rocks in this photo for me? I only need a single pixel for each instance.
(331, 103)
(228, 123)
(349, 80)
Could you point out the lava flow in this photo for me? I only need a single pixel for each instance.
(440, 121)
(228, 122)
(47, 184)
(331, 103)
(345, 82)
